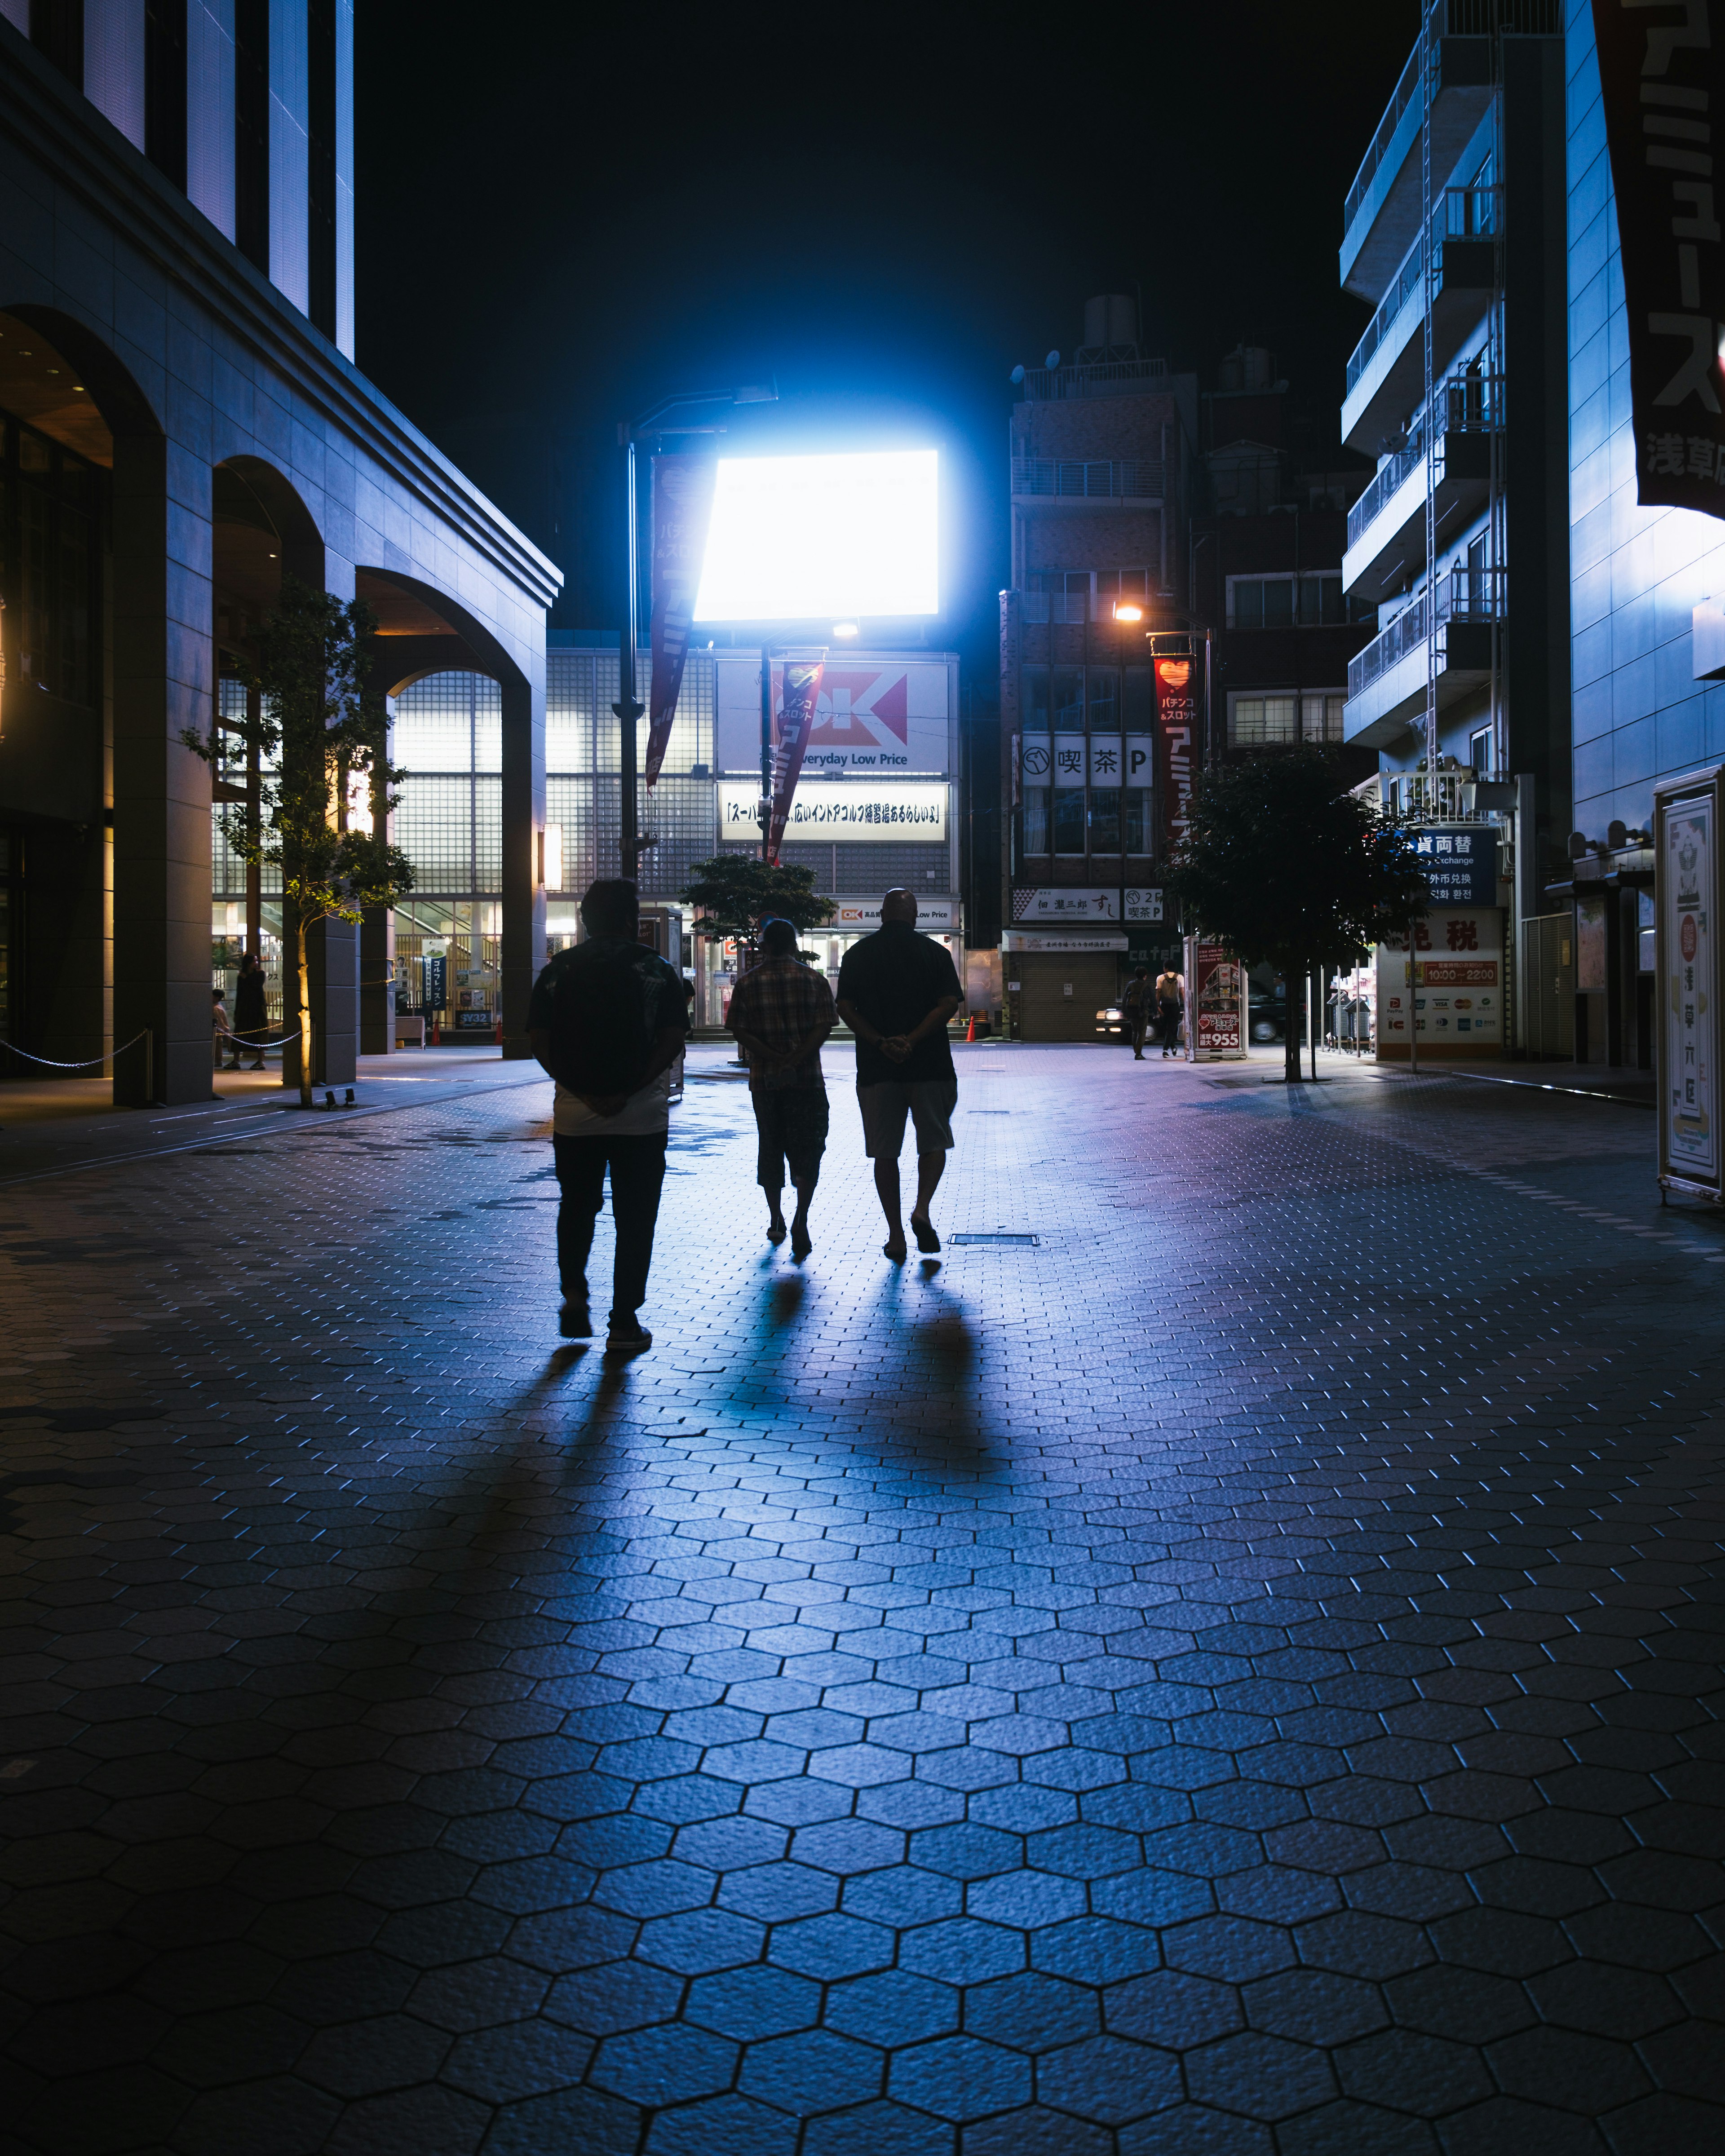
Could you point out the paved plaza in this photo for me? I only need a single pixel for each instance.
(1237, 1674)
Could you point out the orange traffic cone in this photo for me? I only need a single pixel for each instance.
(970, 1030)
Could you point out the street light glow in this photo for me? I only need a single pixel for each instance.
(794, 538)
(1128, 610)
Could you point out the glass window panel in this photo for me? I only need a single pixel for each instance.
(36, 583)
(1247, 604)
(1069, 820)
(1137, 819)
(487, 724)
(1105, 819)
(1036, 819)
(1033, 699)
(1104, 699)
(1139, 707)
(1068, 697)
(1311, 718)
(1278, 603)
(433, 724)
(72, 672)
(433, 828)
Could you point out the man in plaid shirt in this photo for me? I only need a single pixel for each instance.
(781, 1011)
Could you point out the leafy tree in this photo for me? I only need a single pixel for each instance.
(322, 742)
(1285, 866)
(735, 892)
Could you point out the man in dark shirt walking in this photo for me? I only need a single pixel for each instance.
(896, 992)
(607, 1019)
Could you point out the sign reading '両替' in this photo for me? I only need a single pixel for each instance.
(1662, 74)
(1459, 864)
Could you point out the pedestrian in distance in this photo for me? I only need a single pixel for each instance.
(222, 1027)
(896, 992)
(1139, 1006)
(1170, 1003)
(251, 1016)
(607, 1019)
(781, 1012)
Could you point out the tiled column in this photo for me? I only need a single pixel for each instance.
(162, 659)
(523, 942)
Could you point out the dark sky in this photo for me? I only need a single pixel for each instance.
(562, 220)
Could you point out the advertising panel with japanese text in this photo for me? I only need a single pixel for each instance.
(1455, 1000)
(850, 812)
(1215, 1004)
(1686, 873)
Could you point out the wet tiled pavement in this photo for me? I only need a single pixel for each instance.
(1238, 1675)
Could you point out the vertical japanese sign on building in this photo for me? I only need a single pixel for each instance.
(799, 694)
(1176, 732)
(1686, 826)
(1663, 78)
(682, 510)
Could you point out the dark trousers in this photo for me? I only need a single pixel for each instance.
(637, 1166)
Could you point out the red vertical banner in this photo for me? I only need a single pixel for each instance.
(1176, 731)
(682, 510)
(800, 694)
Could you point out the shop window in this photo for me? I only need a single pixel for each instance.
(1321, 716)
(1069, 820)
(48, 563)
(1105, 819)
(1262, 721)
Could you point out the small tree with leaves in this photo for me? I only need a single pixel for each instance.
(1287, 868)
(322, 739)
(735, 892)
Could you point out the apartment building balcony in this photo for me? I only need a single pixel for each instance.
(1381, 216)
(1386, 527)
(1058, 483)
(1386, 682)
(1386, 370)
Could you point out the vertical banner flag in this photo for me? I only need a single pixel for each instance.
(800, 694)
(1660, 73)
(1687, 832)
(1176, 731)
(682, 510)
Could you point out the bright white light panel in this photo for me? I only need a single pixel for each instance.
(823, 538)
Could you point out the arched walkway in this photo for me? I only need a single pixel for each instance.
(423, 631)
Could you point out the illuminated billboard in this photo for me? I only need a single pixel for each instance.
(823, 538)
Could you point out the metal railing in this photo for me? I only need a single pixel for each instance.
(1140, 479)
(1048, 383)
(1465, 403)
(1462, 594)
(1419, 797)
(1074, 606)
(1406, 90)
(1465, 213)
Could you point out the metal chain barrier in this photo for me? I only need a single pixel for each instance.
(48, 1062)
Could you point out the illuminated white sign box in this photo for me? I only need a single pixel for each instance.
(871, 717)
(880, 815)
(823, 538)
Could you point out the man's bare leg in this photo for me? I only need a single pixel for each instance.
(886, 1183)
(802, 1242)
(930, 1167)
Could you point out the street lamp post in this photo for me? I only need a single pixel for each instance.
(628, 708)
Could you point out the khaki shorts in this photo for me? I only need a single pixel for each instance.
(929, 1103)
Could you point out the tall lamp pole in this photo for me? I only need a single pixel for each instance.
(629, 708)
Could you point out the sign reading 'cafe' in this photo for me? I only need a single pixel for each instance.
(1662, 72)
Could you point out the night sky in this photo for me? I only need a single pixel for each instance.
(885, 208)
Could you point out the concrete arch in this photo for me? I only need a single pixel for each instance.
(426, 631)
(110, 383)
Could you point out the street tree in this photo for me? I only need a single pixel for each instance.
(735, 892)
(1287, 868)
(321, 741)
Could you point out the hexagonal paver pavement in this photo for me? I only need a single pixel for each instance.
(1238, 1677)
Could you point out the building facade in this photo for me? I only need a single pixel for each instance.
(1102, 453)
(1452, 234)
(182, 424)
(1648, 666)
(876, 807)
